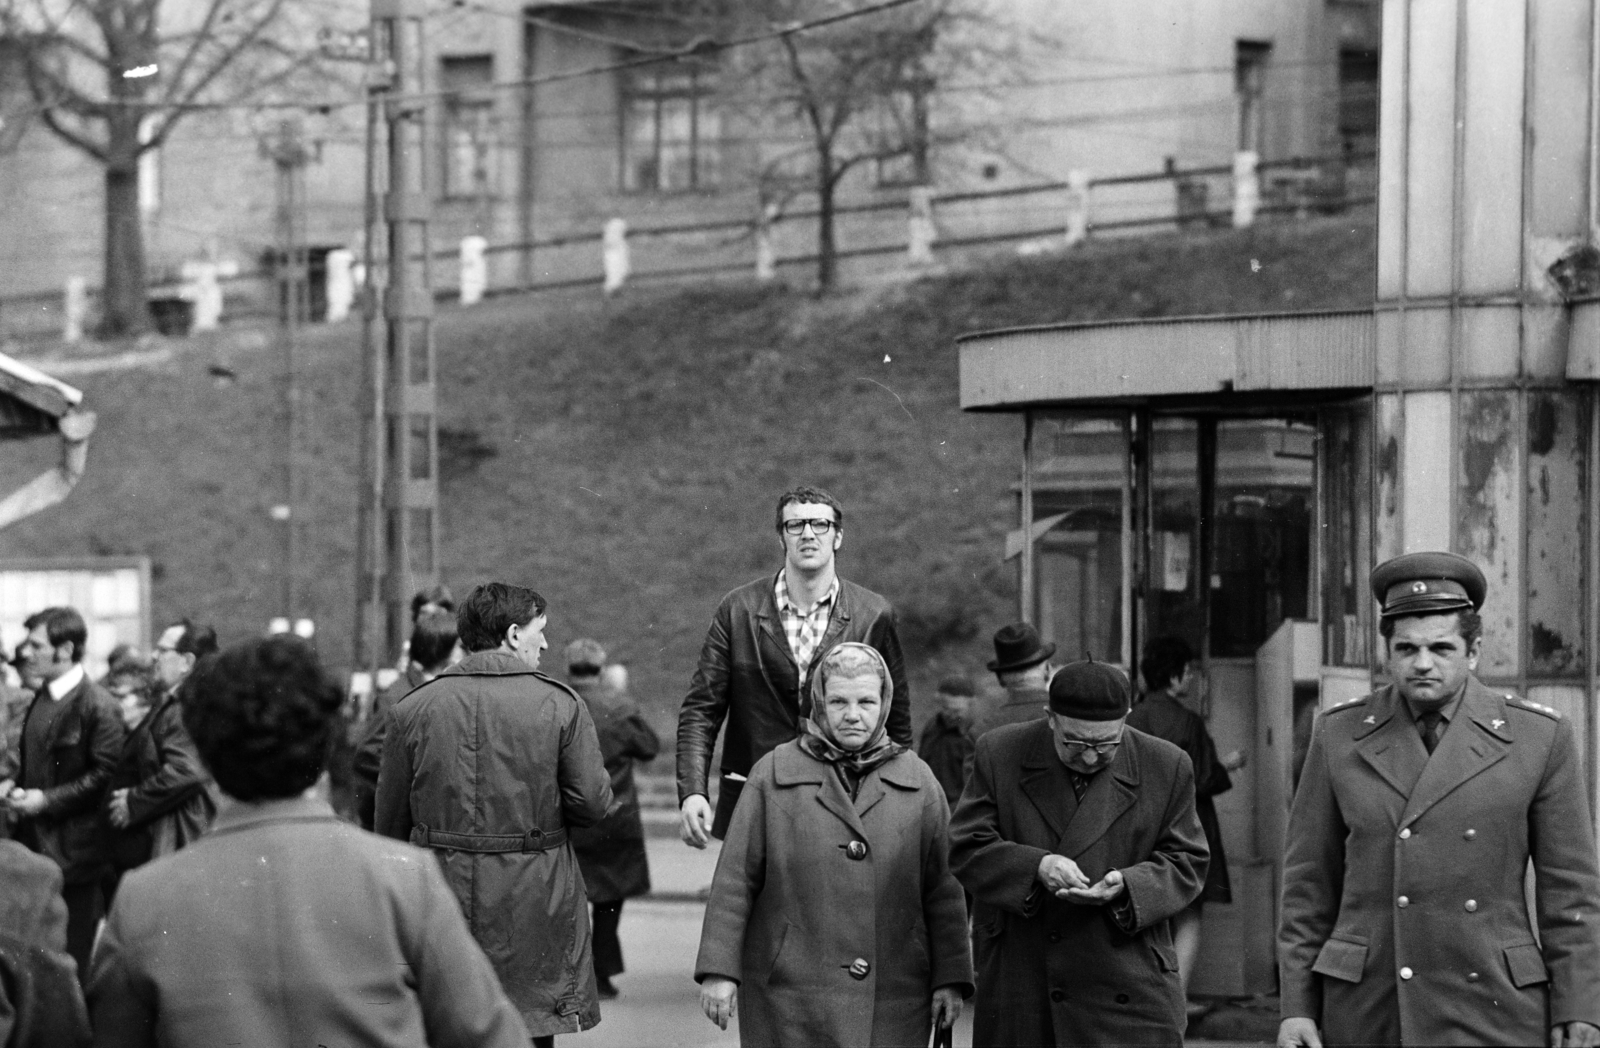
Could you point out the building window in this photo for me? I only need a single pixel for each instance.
(1249, 89)
(468, 133)
(1358, 100)
(671, 131)
(903, 136)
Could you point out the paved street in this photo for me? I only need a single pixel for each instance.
(659, 1003)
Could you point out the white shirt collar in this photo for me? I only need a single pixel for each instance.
(62, 686)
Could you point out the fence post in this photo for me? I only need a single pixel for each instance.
(1246, 187)
(474, 269)
(766, 254)
(1077, 206)
(920, 230)
(614, 255)
(339, 283)
(75, 308)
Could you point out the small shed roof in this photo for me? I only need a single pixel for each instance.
(32, 402)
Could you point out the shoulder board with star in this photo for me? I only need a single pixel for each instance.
(1512, 702)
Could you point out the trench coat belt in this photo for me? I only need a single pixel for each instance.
(489, 843)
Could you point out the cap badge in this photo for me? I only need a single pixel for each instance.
(1496, 724)
(1370, 720)
(1419, 587)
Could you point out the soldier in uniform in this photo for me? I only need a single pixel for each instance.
(1404, 916)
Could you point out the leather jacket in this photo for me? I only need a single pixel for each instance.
(83, 749)
(747, 676)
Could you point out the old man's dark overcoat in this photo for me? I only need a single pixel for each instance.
(1404, 918)
(1056, 972)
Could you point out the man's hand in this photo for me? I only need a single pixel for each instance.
(1098, 894)
(1575, 1034)
(1058, 873)
(27, 802)
(117, 809)
(1297, 1031)
(718, 995)
(695, 826)
(946, 1006)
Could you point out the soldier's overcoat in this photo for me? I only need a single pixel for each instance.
(1404, 918)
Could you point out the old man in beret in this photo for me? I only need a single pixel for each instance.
(1421, 806)
(1078, 839)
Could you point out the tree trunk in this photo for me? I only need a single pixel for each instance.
(124, 309)
(827, 246)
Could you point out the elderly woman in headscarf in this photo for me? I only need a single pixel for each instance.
(834, 918)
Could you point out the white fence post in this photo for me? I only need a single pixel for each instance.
(920, 230)
(614, 255)
(200, 287)
(1246, 187)
(766, 254)
(1077, 206)
(75, 308)
(340, 284)
(474, 269)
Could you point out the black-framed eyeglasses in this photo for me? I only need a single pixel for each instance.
(1104, 749)
(818, 526)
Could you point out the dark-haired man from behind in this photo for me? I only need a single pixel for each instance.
(755, 666)
(285, 925)
(490, 764)
(71, 740)
(159, 797)
(1421, 807)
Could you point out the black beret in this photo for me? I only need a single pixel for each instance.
(1427, 584)
(1094, 691)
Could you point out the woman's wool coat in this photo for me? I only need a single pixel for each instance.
(833, 944)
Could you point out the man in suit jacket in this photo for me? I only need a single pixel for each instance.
(71, 740)
(1404, 917)
(1078, 838)
(755, 667)
(285, 925)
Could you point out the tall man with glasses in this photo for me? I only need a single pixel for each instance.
(755, 667)
(1077, 837)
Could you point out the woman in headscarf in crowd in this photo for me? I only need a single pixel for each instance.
(834, 918)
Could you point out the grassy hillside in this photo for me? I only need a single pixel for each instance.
(623, 457)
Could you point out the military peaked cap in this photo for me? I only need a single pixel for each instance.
(1427, 584)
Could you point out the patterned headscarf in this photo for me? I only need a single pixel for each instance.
(816, 737)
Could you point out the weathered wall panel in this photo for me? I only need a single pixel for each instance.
(1430, 147)
(1391, 155)
(1491, 148)
(1558, 445)
(1386, 487)
(1425, 483)
(1489, 519)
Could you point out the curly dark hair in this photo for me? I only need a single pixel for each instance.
(264, 716)
(493, 608)
(1163, 661)
(812, 496)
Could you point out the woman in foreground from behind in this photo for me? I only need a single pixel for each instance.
(834, 918)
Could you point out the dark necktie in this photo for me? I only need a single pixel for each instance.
(1430, 723)
(1080, 783)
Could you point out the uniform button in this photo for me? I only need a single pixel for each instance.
(1405, 834)
(1057, 996)
(1472, 977)
(1405, 973)
(1472, 905)
(1471, 835)
(859, 968)
(1055, 936)
(1122, 998)
(1402, 902)
(856, 850)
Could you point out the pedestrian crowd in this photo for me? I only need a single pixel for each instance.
(176, 874)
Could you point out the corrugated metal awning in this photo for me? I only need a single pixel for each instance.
(1182, 356)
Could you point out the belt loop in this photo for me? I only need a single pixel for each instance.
(531, 839)
(419, 835)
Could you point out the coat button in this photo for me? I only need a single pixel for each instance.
(1472, 905)
(1055, 936)
(859, 968)
(1471, 835)
(1405, 834)
(1405, 973)
(1058, 996)
(1402, 902)
(1122, 998)
(1472, 977)
(856, 850)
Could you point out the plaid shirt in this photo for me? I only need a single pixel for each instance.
(804, 629)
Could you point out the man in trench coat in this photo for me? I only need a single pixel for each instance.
(489, 764)
(1404, 917)
(1077, 837)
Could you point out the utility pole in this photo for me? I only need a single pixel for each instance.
(398, 539)
(287, 149)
